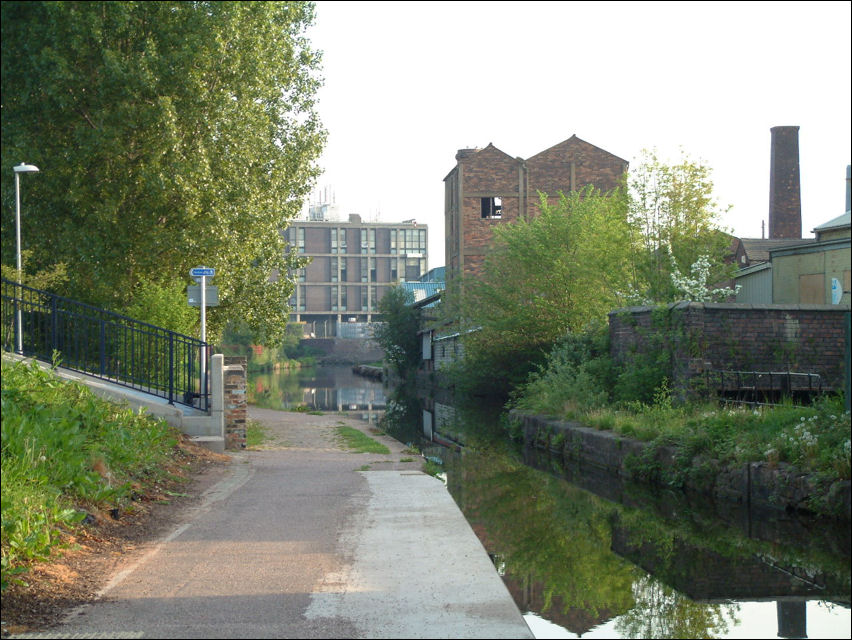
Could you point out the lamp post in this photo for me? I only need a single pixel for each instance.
(19, 169)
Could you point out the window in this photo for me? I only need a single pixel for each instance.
(492, 208)
(372, 269)
(363, 241)
(333, 241)
(343, 291)
(334, 298)
(393, 241)
(372, 241)
(300, 239)
(363, 269)
(333, 269)
(393, 269)
(363, 298)
(343, 269)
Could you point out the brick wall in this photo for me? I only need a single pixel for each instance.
(489, 172)
(803, 338)
(235, 402)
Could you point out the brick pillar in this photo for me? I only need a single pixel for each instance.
(785, 200)
(235, 402)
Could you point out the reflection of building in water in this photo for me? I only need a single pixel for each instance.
(440, 416)
(706, 576)
(345, 399)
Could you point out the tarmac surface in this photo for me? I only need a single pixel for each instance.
(303, 539)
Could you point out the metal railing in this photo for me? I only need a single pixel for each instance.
(105, 345)
(763, 387)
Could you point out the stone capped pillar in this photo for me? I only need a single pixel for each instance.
(785, 200)
(235, 402)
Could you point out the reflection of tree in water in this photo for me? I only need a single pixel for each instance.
(271, 390)
(661, 612)
(403, 415)
(549, 534)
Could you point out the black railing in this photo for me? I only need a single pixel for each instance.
(763, 387)
(106, 345)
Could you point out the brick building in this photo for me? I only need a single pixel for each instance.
(352, 266)
(489, 187)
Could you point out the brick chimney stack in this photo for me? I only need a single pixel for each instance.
(785, 199)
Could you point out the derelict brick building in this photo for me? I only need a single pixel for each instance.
(489, 187)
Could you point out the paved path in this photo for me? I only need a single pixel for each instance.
(304, 540)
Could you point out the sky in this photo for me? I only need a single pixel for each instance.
(407, 84)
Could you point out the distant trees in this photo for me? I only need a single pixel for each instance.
(169, 135)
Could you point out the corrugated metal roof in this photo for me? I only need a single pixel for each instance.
(837, 223)
(757, 249)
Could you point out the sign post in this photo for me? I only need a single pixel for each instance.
(203, 273)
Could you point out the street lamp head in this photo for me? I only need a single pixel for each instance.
(25, 168)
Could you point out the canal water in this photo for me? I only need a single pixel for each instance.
(585, 555)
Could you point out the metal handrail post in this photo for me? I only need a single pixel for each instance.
(171, 367)
(54, 326)
(102, 346)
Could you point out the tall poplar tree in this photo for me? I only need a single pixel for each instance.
(169, 135)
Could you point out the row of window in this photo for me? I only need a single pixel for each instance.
(393, 269)
(338, 298)
(333, 240)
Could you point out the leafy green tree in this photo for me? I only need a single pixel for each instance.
(544, 277)
(163, 306)
(676, 222)
(397, 333)
(169, 135)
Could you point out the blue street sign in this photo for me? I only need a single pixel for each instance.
(197, 272)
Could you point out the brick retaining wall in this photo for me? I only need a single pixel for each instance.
(746, 337)
(755, 484)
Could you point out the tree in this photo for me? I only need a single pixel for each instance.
(397, 333)
(675, 219)
(544, 277)
(169, 135)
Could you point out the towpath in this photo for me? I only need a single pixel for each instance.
(303, 539)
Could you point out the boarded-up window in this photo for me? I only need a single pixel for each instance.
(812, 288)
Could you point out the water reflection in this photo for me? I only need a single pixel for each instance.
(327, 388)
(597, 557)
(585, 554)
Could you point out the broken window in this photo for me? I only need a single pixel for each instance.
(492, 207)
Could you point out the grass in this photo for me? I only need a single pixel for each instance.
(256, 434)
(66, 451)
(813, 438)
(432, 468)
(358, 442)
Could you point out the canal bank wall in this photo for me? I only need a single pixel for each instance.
(760, 484)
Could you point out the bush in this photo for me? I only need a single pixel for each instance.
(576, 377)
(64, 449)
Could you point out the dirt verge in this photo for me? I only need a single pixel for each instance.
(95, 552)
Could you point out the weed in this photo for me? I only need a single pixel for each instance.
(358, 441)
(256, 434)
(63, 447)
